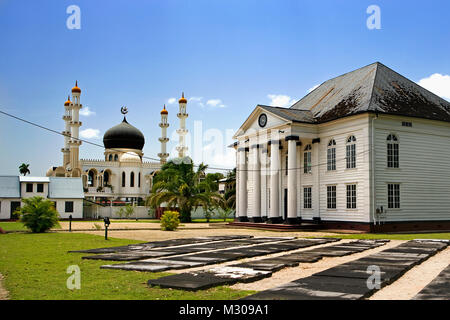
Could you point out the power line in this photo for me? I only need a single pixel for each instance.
(89, 142)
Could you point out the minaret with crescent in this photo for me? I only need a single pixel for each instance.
(75, 124)
(182, 131)
(163, 155)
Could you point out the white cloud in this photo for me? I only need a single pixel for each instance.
(215, 103)
(86, 112)
(280, 100)
(438, 84)
(171, 100)
(311, 89)
(90, 133)
(195, 99)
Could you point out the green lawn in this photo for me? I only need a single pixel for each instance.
(34, 266)
(12, 226)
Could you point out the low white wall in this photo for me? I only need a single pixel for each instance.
(111, 212)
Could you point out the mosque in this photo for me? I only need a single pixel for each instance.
(123, 175)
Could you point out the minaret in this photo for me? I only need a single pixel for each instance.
(75, 124)
(182, 115)
(67, 117)
(164, 124)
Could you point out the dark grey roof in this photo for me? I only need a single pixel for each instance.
(374, 88)
(291, 114)
(123, 135)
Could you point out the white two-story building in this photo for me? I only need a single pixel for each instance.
(368, 150)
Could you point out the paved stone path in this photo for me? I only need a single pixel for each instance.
(351, 280)
(259, 269)
(438, 289)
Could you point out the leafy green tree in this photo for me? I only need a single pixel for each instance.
(38, 214)
(178, 185)
(24, 169)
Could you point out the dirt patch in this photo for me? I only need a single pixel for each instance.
(157, 234)
(3, 291)
(413, 281)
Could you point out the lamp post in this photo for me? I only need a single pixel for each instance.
(70, 223)
(107, 223)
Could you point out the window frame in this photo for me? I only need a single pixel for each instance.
(307, 197)
(392, 151)
(351, 195)
(27, 189)
(350, 152)
(307, 159)
(331, 155)
(331, 197)
(394, 196)
(39, 185)
(68, 209)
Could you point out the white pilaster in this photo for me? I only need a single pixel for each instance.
(275, 165)
(292, 180)
(256, 172)
(242, 181)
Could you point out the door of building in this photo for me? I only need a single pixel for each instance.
(14, 206)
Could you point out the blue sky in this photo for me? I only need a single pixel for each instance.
(232, 54)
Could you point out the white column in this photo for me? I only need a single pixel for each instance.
(242, 173)
(256, 214)
(275, 165)
(292, 180)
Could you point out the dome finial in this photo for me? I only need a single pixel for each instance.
(76, 89)
(164, 111)
(182, 99)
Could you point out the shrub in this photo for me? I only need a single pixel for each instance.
(224, 213)
(38, 214)
(126, 211)
(170, 220)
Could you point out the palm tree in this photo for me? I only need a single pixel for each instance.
(178, 185)
(23, 169)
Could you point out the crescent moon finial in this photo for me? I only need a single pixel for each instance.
(124, 110)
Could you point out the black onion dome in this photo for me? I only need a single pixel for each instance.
(124, 135)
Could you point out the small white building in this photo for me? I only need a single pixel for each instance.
(368, 149)
(66, 193)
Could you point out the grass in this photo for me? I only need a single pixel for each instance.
(12, 226)
(212, 220)
(34, 266)
(396, 236)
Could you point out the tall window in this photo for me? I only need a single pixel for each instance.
(392, 151)
(307, 159)
(393, 196)
(123, 179)
(91, 178)
(40, 187)
(110, 157)
(331, 155)
(132, 179)
(331, 197)
(307, 200)
(116, 157)
(351, 196)
(29, 187)
(351, 152)
(139, 180)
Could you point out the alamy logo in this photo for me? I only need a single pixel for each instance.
(374, 20)
(374, 280)
(74, 281)
(74, 20)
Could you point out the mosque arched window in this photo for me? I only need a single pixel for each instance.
(91, 178)
(132, 179)
(116, 158)
(123, 179)
(110, 157)
(106, 178)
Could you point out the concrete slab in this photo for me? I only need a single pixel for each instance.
(148, 267)
(240, 274)
(191, 281)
